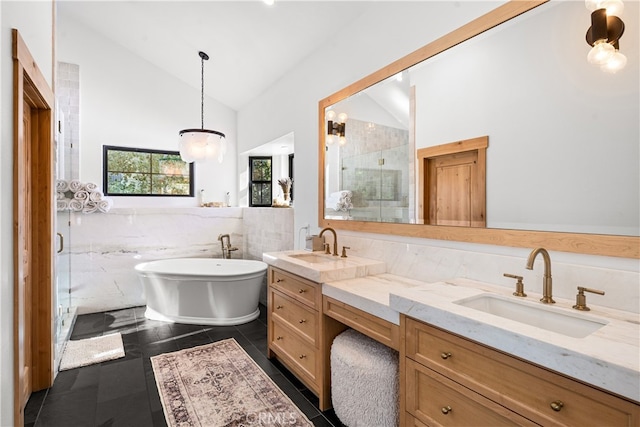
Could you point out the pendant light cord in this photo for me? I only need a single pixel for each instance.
(202, 92)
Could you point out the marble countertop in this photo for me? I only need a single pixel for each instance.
(370, 293)
(323, 268)
(608, 358)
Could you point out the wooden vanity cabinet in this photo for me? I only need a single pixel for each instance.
(483, 386)
(372, 326)
(297, 334)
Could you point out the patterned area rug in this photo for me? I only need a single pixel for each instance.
(220, 385)
(91, 350)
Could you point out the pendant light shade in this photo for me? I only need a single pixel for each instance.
(202, 144)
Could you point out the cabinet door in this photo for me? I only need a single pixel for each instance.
(436, 400)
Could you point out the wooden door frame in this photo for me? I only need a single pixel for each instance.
(30, 86)
(479, 145)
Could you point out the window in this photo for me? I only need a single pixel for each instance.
(143, 172)
(260, 173)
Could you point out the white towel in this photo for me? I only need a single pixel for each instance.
(75, 185)
(90, 207)
(62, 186)
(95, 196)
(340, 201)
(62, 204)
(104, 205)
(76, 205)
(340, 194)
(60, 195)
(90, 186)
(81, 195)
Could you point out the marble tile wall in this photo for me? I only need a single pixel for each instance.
(68, 97)
(267, 230)
(104, 248)
(431, 261)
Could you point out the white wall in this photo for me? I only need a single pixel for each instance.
(561, 132)
(388, 31)
(364, 48)
(34, 21)
(127, 101)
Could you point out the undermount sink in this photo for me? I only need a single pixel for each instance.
(534, 314)
(314, 258)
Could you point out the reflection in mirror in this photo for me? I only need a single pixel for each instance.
(371, 168)
(563, 136)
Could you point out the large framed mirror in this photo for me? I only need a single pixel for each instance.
(562, 159)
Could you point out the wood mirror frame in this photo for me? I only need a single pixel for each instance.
(591, 244)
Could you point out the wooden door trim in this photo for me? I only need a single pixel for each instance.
(30, 86)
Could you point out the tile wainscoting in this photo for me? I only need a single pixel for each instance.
(103, 249)
(433, 260)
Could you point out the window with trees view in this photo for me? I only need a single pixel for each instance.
(260, 172)
(144, 172)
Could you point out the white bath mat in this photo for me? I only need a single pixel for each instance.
(92, 350)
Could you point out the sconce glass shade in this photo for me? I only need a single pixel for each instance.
(202, 145)
(330, 115)
(342, 141)
(615, 63)
(614, 7)
(600, 52)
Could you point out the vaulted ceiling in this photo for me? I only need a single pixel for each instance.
(250, 44)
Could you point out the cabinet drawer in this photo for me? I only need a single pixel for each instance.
(374, 327)
(296, 287)
(288, 345)
(296, 315)
(526, 388)
(412, 421)
(435, 400)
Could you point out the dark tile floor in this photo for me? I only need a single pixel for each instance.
(123, 392)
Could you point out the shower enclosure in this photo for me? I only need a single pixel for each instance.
(66, 168)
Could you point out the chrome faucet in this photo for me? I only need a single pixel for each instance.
(546, 281)
(335, 239)
(226, 249)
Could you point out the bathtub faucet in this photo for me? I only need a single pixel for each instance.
(226, 248)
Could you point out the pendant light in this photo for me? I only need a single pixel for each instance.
(202, 144)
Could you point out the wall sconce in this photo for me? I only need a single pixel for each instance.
(335, 128)
(604, 34)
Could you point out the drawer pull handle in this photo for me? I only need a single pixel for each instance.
(445, 355)
(278, 307)
(303, 320)
(302, 356)
(446, 410)
(279, 280)
(278, 338)
(302, 291)
(557, 405)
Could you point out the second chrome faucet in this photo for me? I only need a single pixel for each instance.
(547, 283)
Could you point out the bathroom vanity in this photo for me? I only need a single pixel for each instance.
(460, 364)
(299, 334)
(452, 380)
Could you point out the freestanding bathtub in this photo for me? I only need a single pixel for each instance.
(202, 291)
